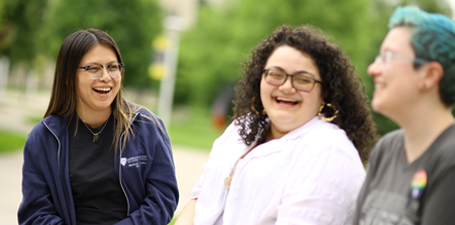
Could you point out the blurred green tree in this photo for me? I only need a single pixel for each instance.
(36, 28)
(132, 23)
(211, 52)
(20, 27)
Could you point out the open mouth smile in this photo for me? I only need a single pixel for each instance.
(102, 90)
(286, 101)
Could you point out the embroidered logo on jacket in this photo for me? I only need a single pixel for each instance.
(134, 161)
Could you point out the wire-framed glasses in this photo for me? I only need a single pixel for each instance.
(301, 81)
(387, 57)
(96, 71)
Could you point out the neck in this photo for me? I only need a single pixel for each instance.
(95, 119)
(422, 126)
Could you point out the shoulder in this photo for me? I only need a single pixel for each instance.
(52, 123)
(231, 133)
(326, 143)
(326, 135)
(143, 114)
(388, 144)
(45, 133)
(443, 156)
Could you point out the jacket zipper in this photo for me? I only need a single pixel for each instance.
(120, 170)
(58, 158)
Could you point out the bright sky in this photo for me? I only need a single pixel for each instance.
(452, 4)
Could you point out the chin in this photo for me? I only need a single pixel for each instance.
(377, 105)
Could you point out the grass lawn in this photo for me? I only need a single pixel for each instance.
(195, 129)
(11, 141)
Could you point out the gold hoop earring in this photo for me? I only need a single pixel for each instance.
(252, 106)
(327, 119)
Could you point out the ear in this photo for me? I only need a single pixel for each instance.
(433, 74)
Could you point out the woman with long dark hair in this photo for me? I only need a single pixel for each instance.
(96, 158)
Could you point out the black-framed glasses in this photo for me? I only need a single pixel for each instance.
(96, 71)
(386, 57)
(301, 81)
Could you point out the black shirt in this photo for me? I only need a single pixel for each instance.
(98, 196)
(396, 192)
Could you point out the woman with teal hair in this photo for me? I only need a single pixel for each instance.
(411, 173)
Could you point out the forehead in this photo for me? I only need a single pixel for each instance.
(99, 54)
(291, 61)
(398, 40)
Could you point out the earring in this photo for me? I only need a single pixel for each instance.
(252, 106)
(327, 119)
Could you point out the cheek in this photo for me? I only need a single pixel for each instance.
(118, 83)
(314, 100)
(265, 92)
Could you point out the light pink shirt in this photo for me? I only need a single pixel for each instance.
(312, 175)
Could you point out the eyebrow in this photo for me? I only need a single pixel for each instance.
(300, 71)
(94, 63)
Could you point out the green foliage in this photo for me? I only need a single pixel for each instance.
(11, 141)
(37, 28)
(21, 35)
(211, 53)
(132, 23)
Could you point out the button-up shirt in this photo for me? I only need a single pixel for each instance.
(311, 175)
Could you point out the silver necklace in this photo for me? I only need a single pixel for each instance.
(95, 136)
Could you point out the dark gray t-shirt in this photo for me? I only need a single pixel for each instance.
(396, 192)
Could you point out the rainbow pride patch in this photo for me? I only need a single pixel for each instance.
(418, 183)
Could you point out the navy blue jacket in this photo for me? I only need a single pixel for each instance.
(145, 169)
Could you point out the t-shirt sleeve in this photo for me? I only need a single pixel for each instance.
(440, 205)
(371, 170)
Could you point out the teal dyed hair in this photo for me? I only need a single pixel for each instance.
(433, 39)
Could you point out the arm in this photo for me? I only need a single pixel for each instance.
(186, 217)
(439, 207)
(160, 186)
(37, 206)
(322, 190)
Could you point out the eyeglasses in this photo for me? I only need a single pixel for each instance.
(302, 81)
(96, 71)
(385, 59)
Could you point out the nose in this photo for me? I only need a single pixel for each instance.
(374, 69)
(105, 75)
(287, 86)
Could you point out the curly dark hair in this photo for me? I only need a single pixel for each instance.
(341, 87)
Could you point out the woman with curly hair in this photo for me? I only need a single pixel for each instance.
(294, 152)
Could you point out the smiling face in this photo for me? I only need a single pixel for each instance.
(396, 82)
(287, 107)
(97, 95)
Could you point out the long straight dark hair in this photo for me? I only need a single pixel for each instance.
(64, 96)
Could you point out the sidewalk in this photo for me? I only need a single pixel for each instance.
(15, 111)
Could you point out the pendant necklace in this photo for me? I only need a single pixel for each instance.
(95, 136)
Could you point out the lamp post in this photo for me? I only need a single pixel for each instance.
(173, 26)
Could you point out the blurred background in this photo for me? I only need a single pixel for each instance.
(182, 57)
